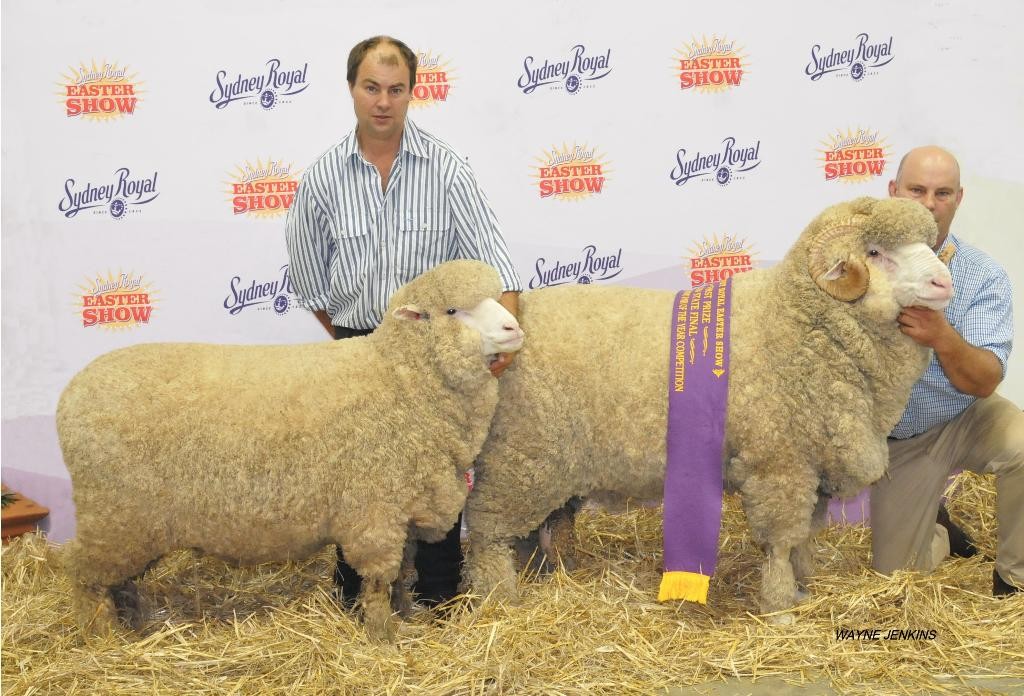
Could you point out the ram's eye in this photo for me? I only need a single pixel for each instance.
(451, 311)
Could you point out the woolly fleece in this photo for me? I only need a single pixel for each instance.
(816, 386)
(258, 453)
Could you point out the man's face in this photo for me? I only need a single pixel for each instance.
(380, 95)
(932, 179)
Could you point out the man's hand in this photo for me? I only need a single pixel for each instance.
(970, 369)
(510, 301)
(500, 363)
(927, 327)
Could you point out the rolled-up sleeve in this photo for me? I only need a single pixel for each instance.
(477, 232)
(310, 247)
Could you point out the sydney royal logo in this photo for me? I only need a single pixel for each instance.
(271, 86)
(588, 267)
(262, 190)
(99, 92)
(433, 81)
(712, 260)
(864, 58)
(854, 157)
(570, 173)
(116, 302)
(122, 196)
(714, 65)
(731, 162)
(577, 71)
(275, 295)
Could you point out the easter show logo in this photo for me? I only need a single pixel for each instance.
(434, 79)
(854, 157)
(710, 65)
(570, 173)
(115, 302)
(713, 259)
(99, 92)
(262, 190)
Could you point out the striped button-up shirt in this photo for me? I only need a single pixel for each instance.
(351, 245)
(982, 313)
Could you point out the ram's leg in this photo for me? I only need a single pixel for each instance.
(102, 591)
(562, 539)
(802, 555)
(778, 584)
(126, 602)
(374, 548)
(552, 543)
(401, 599)
(489, 570)
(779, 514)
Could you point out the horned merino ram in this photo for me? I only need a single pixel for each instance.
(820, 374)
(261, 453)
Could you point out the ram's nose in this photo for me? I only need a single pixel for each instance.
(511, 338)
(942, 283)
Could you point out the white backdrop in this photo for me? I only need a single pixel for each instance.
(171, 243)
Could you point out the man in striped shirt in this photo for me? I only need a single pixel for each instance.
(385, 204)
(954, 420)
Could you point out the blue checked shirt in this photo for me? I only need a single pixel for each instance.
(352, 245)
(982, 313)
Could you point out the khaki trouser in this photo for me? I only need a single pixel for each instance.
(987, 438)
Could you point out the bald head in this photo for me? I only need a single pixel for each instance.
(930, 156)
(931, 176)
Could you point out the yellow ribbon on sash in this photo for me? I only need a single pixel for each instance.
(680, 584)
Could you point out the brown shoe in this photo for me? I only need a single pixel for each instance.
(1001, 588)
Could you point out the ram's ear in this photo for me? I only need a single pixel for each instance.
(409, 313)
(834, 273)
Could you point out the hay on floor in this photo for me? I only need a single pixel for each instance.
(275, 629)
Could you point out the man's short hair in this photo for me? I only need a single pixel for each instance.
(359, 51)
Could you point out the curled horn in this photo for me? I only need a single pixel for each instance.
(853, 283)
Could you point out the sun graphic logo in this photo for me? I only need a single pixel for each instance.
(262, 190)
(855, 156)
(433, 81)
(713, 259)
(571, 173)
(99, 92)
(116, 302)
(714, 65)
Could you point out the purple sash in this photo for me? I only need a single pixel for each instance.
(698, 384)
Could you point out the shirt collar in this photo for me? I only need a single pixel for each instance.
(412, 142)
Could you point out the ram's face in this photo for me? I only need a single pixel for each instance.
(499, 331)
(486, 326)
(911, 274)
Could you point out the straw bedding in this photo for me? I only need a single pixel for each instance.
(275, 629)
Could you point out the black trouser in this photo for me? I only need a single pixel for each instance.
(438, 566)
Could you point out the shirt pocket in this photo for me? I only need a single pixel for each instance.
(424, 241)
(352, 241)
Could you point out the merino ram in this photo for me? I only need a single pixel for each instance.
(264, 453)
(820, 374)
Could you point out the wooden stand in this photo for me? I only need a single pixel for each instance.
(20, 516)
